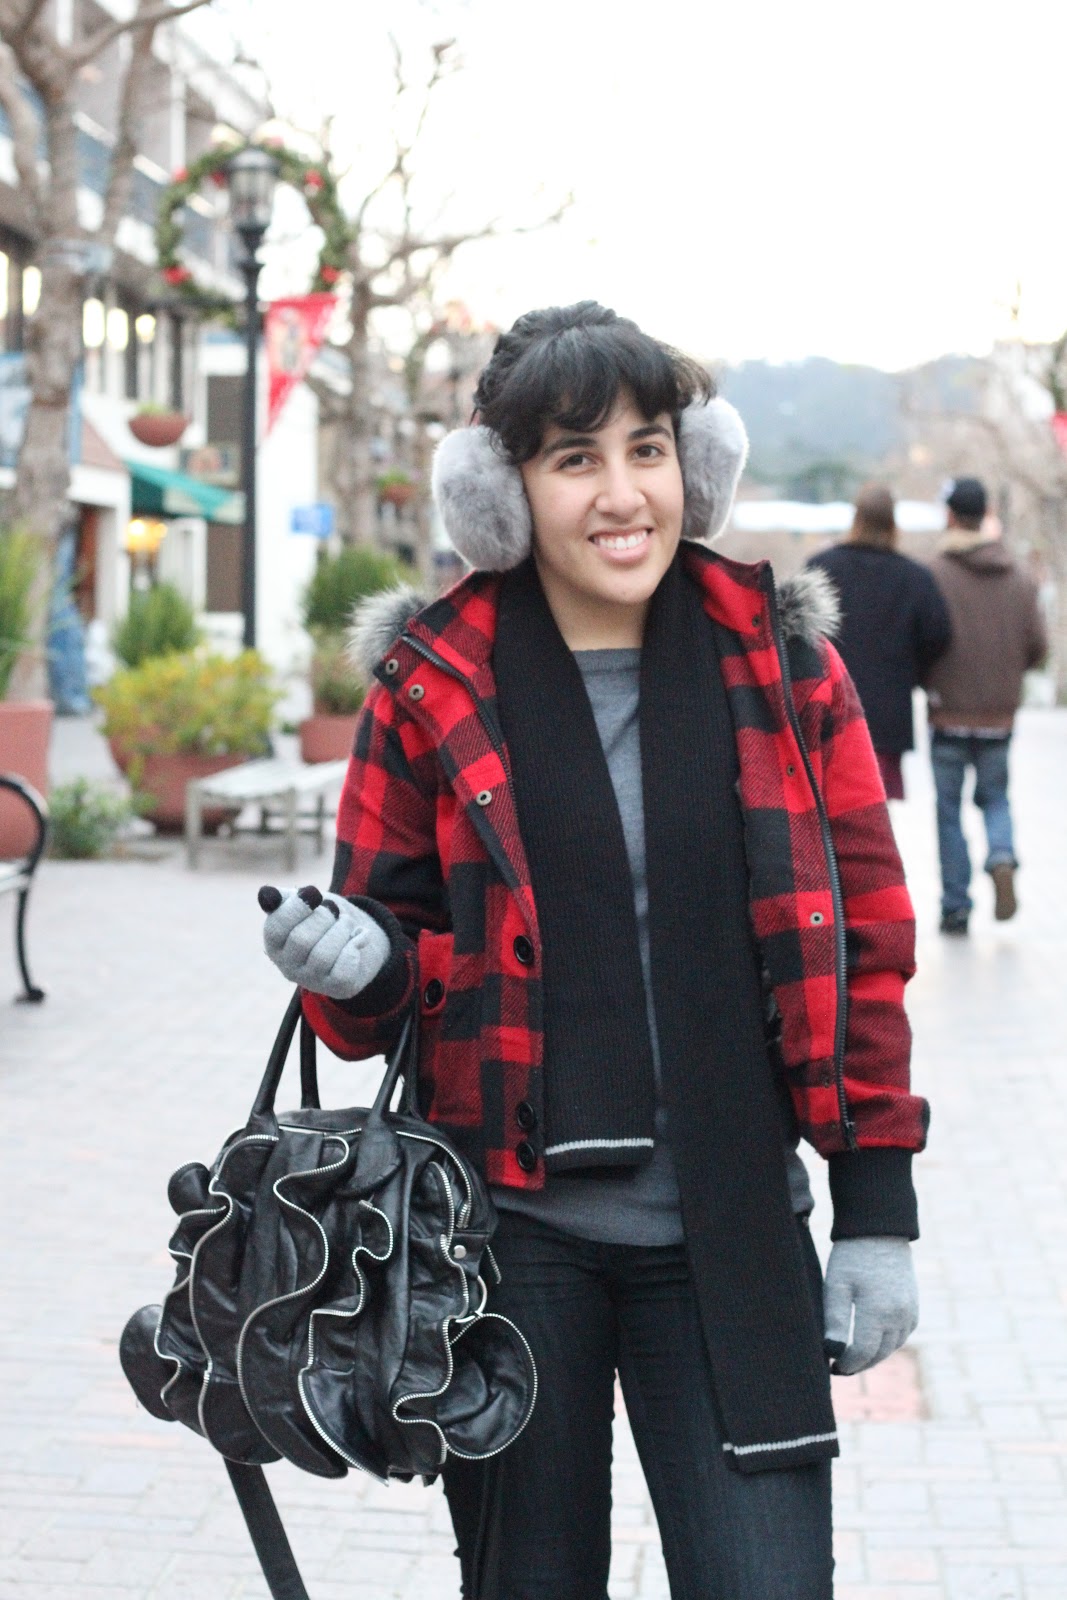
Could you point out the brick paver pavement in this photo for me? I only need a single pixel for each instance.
(160, 1007)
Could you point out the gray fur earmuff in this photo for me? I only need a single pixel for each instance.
(487, 517)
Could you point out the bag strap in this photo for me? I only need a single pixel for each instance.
(402, 1061)
(267, 1533)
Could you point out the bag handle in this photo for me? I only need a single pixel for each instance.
(401, 1061)
(267, 1533)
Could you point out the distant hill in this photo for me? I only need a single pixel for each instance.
(817, 428)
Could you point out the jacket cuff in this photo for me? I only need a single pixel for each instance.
(389, 988)
(873, 1195)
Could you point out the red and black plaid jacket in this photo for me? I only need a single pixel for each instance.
(427, 829)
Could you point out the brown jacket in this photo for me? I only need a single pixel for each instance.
(997, 635)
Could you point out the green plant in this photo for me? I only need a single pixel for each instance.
(335, 685)
(159, 621)
(20, 563)
(152, 408)
(84, 819)
(339, 581)
(396, 477)
(190, 703)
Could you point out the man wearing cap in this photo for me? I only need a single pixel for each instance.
(974, 691)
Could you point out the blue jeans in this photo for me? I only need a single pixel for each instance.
(534, 1523)
(951, 754)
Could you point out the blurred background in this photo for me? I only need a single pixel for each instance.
(852, 217)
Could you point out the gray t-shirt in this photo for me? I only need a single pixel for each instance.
(641, 1207)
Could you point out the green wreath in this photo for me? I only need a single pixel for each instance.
(313, 179)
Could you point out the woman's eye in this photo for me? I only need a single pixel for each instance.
(648, 452)
(576, 460)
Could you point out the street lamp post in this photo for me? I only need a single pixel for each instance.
(251, 176)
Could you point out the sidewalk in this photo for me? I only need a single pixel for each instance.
(160, 1007)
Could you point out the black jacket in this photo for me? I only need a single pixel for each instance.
(894, 626)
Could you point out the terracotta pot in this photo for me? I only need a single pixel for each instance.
(158, 428)
(397, 494)
(164, 778)
(327, 738)
(25, 729)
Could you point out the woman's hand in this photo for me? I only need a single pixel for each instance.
(876, 1279)
(322, 942)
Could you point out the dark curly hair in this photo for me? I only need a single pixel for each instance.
(567, 364)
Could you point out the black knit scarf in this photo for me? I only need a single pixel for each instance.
(741, 1236)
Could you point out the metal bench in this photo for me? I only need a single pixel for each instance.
(277, 787)
(16, 877)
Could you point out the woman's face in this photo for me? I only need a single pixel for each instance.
(607, 517)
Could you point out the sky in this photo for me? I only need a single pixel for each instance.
(771, 180)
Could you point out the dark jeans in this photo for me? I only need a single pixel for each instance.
(951, 754)
(534, 1523)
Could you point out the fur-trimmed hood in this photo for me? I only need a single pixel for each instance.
(808, 610)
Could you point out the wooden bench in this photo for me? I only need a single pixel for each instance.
(278, 788)
(16, 877)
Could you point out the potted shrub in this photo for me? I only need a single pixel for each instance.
(25, 725)
(157, 426)
(396, 488)
(159, 620)
(337, 694)
(183, 716)
(339, 581)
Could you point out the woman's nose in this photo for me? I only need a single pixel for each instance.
(620, 495)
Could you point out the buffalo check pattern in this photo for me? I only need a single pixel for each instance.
(427, 828)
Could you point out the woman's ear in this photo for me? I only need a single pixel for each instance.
(482, 501)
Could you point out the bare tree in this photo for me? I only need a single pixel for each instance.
(396, 258)
(66, 251)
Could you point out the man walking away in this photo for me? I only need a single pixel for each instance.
(893, 627)
(974, 692)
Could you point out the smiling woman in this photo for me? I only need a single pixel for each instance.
(589, 409)
(611, 809)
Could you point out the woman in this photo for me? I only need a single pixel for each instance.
(894, 626)
(610, 810)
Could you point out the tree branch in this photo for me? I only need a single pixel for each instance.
(120, 177)
(30, 16)
(25, 135)
(332, 406)
(103, 37)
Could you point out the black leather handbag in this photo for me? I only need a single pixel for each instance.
(329, 1301)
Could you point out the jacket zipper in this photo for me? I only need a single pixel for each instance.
(837, 897)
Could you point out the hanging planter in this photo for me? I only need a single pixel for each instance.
(396, 489)
(158, 428)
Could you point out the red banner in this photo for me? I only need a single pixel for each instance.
(293, 329)
(1059, 429)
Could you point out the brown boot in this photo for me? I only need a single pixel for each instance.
(1005, 905)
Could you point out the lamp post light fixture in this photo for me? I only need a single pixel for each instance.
(143, 537)
(251, 176)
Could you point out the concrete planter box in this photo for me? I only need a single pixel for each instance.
(164, 778)
(25, 731)
(327, 738)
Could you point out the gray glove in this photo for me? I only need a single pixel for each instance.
(322, 942)
(876, 1278)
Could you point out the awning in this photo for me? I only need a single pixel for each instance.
(158, 492)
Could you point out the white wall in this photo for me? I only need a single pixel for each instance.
(287, 477)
